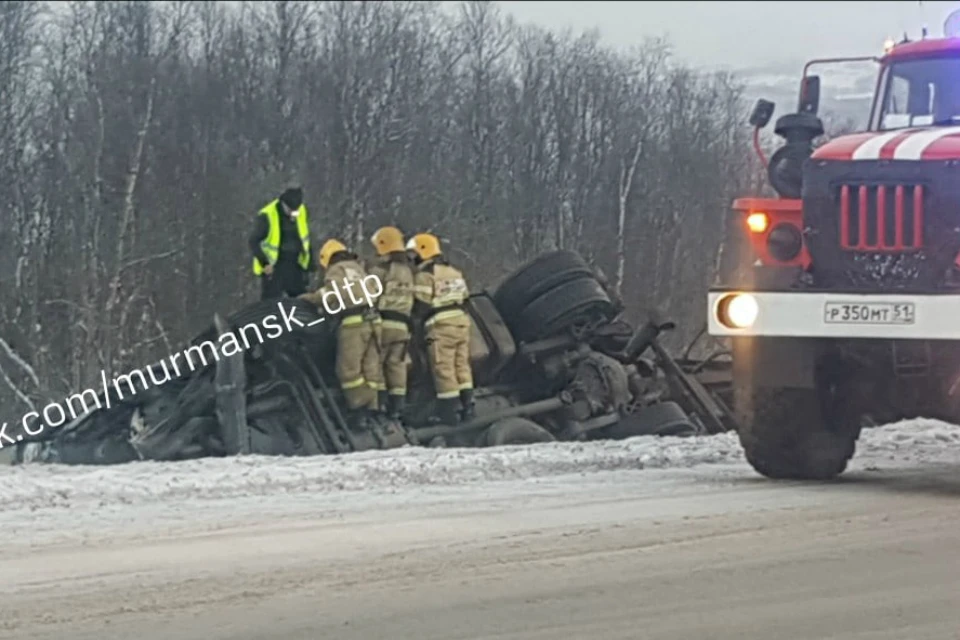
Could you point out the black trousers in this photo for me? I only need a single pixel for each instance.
(291, 282)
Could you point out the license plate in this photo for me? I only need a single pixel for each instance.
(869, 313)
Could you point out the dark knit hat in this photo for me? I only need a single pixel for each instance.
(292, 197)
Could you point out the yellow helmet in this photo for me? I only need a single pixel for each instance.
(329, 248)
(387, 240)
(426, 245)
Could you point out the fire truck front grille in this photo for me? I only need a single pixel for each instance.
(881, 218)
(881, 225)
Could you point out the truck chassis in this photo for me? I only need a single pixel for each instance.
(553, 360)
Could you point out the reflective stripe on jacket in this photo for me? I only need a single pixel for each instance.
(443, 289)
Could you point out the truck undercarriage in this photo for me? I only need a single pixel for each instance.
(552, 360)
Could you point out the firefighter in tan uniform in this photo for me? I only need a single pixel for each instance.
(358, 357)
(441, 292)
(396, 273)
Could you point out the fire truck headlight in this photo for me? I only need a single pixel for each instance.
(738, 311)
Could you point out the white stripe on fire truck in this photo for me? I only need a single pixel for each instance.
(870, 150)
(912, 147)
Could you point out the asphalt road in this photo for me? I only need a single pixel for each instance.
(684, 555)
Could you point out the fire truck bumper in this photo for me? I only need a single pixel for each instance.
(807, 314)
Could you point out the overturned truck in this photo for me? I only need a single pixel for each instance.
(552, 360)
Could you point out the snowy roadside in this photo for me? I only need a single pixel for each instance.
(47, 502)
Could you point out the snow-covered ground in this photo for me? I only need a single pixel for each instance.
(43, 504)
(678, 538)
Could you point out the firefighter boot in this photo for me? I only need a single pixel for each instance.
(466, 400)
(447, 411)
(360, 419)
(383, 402)
(395, 407)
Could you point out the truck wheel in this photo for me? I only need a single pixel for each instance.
(9, 455)
(785, 436)
(515, 431)
(535, 278)
(562, 307)
(112, 449)
(661, 419)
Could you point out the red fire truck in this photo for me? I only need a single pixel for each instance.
(847, 310)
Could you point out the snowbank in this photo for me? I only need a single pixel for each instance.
(34, 487)
(44, 486)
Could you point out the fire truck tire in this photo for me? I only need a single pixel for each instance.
(535, 278)
(785, 170)
(785, 437)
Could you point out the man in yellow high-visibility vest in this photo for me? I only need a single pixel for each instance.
(280, 243)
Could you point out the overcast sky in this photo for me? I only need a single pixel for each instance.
(745, 34)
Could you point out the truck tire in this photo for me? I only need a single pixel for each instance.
(785, 436)
(558, 309)
(535, 278)
(661, 419)
(9, 455)
(515, 431)
(112, 449)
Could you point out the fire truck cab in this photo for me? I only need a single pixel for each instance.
(846, 312)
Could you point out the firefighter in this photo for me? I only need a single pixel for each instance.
(441, 291)
(358, 357)
(396, 273)
(280, 243)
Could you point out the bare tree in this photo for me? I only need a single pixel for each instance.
(138, 140)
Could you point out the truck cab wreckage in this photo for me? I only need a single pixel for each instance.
(846, 313)
(551, 361)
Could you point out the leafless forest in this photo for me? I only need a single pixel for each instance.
(138, 139)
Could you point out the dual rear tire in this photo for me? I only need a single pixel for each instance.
(550, 294)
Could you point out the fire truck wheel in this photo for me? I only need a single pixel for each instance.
(785, 437)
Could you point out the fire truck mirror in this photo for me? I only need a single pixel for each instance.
(762, 112)
(809, 95)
